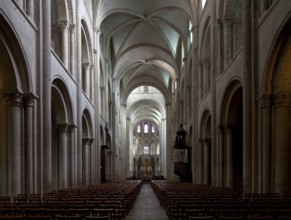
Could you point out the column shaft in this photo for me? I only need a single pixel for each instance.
(72, 49)
(46, 97)
(63, 152)
(247, 96)
(86, 78)
(63, 26)
(227, 41)
(281, 143)
(72, 157)
(266, 148)
(220, 156)
(219, 46)
(15, 151)
(206, 161)
(30, 8)
(229, 158)
(86, 161)
(29, 158)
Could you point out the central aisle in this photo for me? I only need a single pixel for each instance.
(147, 206)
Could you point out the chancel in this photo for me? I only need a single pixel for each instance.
(132, 109)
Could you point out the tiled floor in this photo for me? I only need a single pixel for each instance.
(147, 206)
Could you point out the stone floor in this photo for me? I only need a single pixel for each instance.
(147, 206)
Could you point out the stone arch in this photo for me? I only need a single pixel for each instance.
(276, 116)
(205, 64)
(59, 30)
(87, 148)
(205, 148)
(230, 137)
(230, 14)
(87, 59)
(16, 115)
(62, 135)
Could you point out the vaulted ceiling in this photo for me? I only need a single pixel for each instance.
(144, 42)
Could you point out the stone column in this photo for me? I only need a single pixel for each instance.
(72, 157)
(63, 158)
(30, 8)
(229, 156)
(211, 142)
(266, 147)
(64, 27)
(227, 41)
(206, 75)
(72, 29)
(90, 81)
(282, 107)
(220, 155)
(207, 145)
(85, 77)
(219, 46)
(201, 79)
(200, 159)
(168, 163)
(79, 91)
(86, 161)
(92, 170)
(247, 95)
(4, 147)
(15, 100)
(46, 97)
(29, 152)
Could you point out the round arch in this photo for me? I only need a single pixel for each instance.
(230, 136)
(17, 98)
(275, 112)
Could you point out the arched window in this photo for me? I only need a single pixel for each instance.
(153, 129)
(138, 129)
(146, 128)
(146, 149)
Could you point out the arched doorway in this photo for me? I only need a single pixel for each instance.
(230, 140)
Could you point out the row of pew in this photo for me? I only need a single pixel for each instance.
(183, 201)
(102, 201)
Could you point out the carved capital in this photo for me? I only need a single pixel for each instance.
(265, 101)
(72, 28)
(86, 66)
(63, 25)
(229, 128)
(221, 129)
(29, 99)
(86, 141)
(72, 128)
(15, 99)
(63, 128)
(282, 99)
